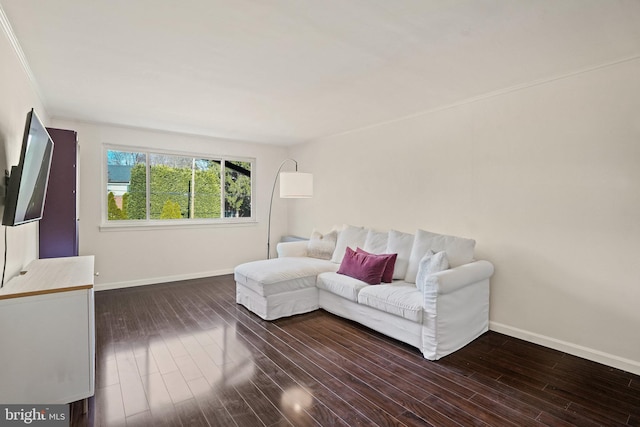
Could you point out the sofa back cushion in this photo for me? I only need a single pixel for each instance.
(401, 244)
(459, 251)
(349, 237)
(376, 242)
(363, 267)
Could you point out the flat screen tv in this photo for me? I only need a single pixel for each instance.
(27, 183)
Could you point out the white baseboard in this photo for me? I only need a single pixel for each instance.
(567, 347)
(157, 280)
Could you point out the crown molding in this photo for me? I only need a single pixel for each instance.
(489, 95)
(8, 30)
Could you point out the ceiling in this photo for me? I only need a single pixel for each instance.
(289, 71)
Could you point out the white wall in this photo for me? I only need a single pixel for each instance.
(17, 97)
(546, 178)
(136, 257)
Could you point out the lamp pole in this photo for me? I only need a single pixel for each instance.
(273, 190)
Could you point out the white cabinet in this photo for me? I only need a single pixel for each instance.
(47, 333)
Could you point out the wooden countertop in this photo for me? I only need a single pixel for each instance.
(51, 275)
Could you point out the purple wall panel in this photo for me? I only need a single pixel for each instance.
(59, 224)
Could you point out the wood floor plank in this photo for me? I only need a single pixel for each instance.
(156, 391)
(213, 410)
(459, 412)
(238, 408)
(566, 417)
(296, 400)
(378, 408)
(184, 353)
(406, 364)
(109, 406)
(177, 387)
(326, 391)
(288, 401)
(133, 394)
(436, 413)
(263, 407)
(190, 414)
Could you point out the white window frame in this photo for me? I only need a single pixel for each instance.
(148, 223)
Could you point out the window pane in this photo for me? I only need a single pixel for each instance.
(184, 187)
(206, 201)
(237, 187)
(126, 185)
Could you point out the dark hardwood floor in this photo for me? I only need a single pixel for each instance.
(186, 354)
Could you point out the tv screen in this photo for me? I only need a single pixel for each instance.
(27, 184)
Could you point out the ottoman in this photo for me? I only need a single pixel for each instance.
(280, 287)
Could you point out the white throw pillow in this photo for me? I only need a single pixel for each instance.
(400, 243)
(350, 236)
(459, 250)
(429, 264)
(376, 242)
(322, 246)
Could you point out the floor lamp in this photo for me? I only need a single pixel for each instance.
(293, 185)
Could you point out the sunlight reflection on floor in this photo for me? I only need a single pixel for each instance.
(170, 369)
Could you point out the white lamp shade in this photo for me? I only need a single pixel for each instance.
(296, 185)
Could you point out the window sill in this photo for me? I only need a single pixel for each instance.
(173, 225)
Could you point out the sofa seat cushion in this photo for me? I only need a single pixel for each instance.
(399, 298)
(341, 285)
(278, 275)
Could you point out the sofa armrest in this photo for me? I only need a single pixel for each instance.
(292, 249)
(451, 280)
(456, 308)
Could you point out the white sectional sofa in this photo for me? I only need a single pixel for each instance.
(436, 312)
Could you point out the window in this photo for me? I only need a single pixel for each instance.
(146, 187)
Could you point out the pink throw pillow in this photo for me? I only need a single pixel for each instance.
(387, 275)
(363, 267)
